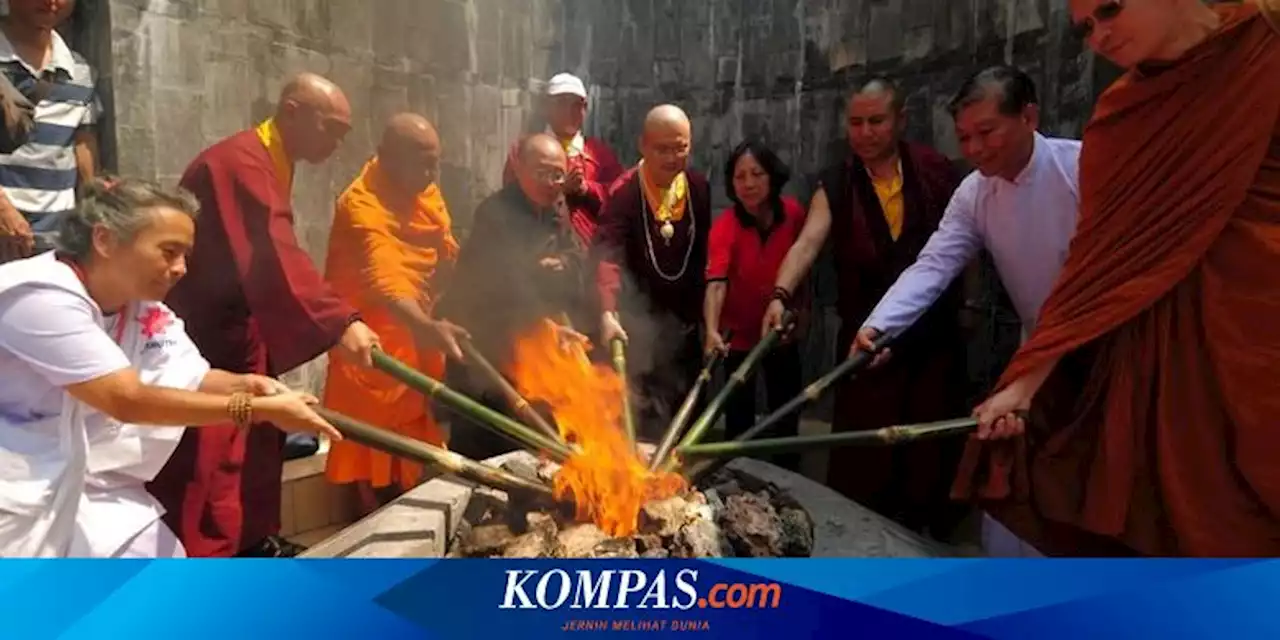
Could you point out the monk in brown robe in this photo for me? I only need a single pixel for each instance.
(521, 263)
(651, 248)
(254, 302)
(1151, 375)
(880, 204)
(391, 236)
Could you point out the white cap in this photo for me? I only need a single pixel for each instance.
(566, 83)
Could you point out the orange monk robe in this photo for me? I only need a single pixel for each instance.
(385, 248)
(1157, 432)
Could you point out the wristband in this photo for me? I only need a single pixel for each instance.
(782, 295)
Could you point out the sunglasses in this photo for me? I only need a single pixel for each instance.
(1105, 12)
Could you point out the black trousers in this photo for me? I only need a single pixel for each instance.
(781, 371)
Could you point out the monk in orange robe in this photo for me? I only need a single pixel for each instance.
(254, 302)
(1151, 377)
(391, 236)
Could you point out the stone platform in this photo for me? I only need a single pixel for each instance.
(425, 520)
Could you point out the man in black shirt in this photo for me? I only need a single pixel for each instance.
(521, 263)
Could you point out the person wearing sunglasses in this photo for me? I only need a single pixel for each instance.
(521, 262)
(38, 180)
(592, 164)
(1151, 375)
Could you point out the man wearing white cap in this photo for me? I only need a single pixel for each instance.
(592, 165)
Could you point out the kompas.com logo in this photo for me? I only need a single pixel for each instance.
(616, 589)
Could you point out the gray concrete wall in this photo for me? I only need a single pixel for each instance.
(181, 74)
(780, 69)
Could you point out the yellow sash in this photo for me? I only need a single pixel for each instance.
(271, 139)
(666, 204)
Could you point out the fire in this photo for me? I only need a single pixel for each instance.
(607, 480)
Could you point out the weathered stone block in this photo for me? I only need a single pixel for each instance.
(178, 129)
(885, 31)
(351, 25)
(177, 51)
(228, 102)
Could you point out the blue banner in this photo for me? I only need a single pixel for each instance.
(528, 599)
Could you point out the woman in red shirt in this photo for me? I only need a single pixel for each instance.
(748, 242)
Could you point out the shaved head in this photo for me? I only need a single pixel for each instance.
(540, 169)
(666, 143)
(881, 88)
(315, 92)
(875, 119)
(408, 130)
(538, 145)
(313, 116)
(666, 116)
(409, 153)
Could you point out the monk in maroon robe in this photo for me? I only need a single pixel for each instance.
(254, 303)
(880, 204)
(592, 165)
(651, 248)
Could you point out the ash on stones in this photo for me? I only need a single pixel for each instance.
(732, 515)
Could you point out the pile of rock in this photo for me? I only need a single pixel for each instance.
(733, 516)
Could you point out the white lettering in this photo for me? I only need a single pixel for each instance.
(658, 591)
(541, 592)
(515, 589)
(685, 580)
(587, 590)
(626, 587)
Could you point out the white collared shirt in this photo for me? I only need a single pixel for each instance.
(1026, 224)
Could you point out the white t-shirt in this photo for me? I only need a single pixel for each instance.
(49, 340)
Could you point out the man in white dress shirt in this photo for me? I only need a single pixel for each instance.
(1020, 205)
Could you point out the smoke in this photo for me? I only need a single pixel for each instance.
(660, 351)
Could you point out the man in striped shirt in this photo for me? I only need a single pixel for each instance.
(38, 181)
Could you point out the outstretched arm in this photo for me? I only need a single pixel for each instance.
(813, 235)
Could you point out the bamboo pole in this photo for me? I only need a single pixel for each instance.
(422, 452)
(619, 352)
(723, 452)
(517, 402)
(676, 428)
(476, 412)
(811, 393)
(737, 379)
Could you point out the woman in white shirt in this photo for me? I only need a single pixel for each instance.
(89, 360)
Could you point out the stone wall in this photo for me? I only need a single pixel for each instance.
(781, 69)
(180, 74)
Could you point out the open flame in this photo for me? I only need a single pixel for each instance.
(607, 480)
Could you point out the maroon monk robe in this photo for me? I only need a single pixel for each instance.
(925, 379)
(253, 302)
(599, 169)
(656, 286)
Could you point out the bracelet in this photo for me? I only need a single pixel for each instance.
(240, 408)
(782, 295)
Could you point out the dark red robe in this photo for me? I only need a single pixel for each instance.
(925, 380)
(599, 168)
(253, 302)
(657, 288)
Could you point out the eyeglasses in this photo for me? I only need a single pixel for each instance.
(552, 176)
(1105, 12)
